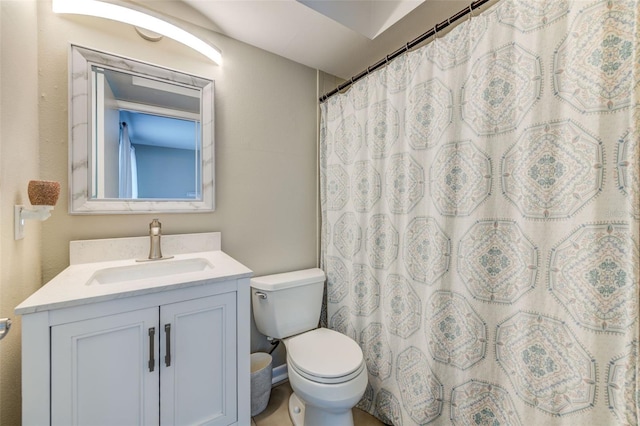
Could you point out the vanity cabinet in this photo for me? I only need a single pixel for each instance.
(169, 365)
(168, 349)
(198, 369)
(97, 365)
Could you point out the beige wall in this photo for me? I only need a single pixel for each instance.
(266, 171)
(19, 260)
(265, 146)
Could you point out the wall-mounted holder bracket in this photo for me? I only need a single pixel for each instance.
(5, 325)
(22, 213)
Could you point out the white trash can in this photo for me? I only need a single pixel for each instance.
(261, 366)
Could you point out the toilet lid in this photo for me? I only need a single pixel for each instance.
(325, 356)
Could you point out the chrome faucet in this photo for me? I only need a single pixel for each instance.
(155, 232)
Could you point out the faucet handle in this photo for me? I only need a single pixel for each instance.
(155, 227)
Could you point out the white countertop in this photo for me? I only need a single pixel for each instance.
(70, 288)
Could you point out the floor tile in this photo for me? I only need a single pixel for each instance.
(361, 418)
(277, 412)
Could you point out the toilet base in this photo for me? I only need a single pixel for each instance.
(298, 410)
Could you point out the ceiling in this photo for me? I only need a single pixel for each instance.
(360, 33)
(340, 37)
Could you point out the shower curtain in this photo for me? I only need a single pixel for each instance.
(480, 215)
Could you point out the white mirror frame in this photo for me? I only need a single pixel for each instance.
(80, 126)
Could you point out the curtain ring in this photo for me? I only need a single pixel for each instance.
(470, 11)
(406, 47)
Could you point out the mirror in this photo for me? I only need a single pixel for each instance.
(141, 137)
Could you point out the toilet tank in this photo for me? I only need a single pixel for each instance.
(287, 304)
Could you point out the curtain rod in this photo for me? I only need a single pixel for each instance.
(438, 27)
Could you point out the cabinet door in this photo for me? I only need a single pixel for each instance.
(100, 370)
(198, 381)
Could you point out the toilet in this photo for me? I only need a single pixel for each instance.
(326, 369)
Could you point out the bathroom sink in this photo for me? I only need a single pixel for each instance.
(153, 269)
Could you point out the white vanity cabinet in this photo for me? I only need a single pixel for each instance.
(168, 350)
(170, 365)
(198, 376)
(97, 371)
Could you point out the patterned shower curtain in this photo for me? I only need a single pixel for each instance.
(480, 212)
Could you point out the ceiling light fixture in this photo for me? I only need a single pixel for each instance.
(126, 15)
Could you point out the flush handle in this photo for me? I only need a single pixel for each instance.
(167, 333)
(261, 295)
(152, 359)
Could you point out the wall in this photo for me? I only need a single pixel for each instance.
(165, 172)
(266, 172)
(265, 146)
(19, 260)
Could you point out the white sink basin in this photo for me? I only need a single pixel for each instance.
(152, 269)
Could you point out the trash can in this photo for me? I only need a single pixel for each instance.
(261, 365)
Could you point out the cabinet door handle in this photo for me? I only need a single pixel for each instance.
(167, 332)
(152, 360)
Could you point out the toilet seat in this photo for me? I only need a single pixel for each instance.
(325, 356)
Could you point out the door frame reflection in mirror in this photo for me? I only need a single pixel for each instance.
(82, 127)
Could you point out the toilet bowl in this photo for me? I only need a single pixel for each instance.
(328, 376)
(326, 369)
